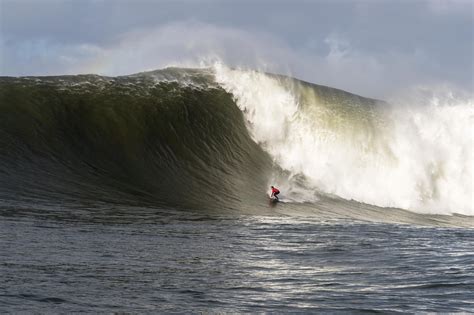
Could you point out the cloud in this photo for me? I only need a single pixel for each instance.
(192, 44)
(338, 48)
(375, 74)
(187, 43)
(44, 57)
(451, 6)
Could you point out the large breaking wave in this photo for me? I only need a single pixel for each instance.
(217, 138)
(414, 155)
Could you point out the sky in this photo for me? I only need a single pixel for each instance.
(372, 48)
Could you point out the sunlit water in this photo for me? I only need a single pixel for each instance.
(203, 263)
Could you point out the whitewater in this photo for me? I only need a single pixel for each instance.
(413, 154)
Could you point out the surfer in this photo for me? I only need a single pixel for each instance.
(275, 193)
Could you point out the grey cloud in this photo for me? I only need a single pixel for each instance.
(370, 48)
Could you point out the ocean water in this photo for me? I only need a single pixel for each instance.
(250, 263)
(148, 193)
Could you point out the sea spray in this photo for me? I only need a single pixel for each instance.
(410, 156)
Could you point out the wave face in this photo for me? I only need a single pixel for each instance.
(144, 137)
(217, 138)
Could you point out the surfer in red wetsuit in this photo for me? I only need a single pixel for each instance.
(275, 192)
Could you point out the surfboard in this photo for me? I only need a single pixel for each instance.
(273, 199)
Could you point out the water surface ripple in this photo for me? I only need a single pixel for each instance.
(234, 264)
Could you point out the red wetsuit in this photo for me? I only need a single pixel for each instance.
(275, 192)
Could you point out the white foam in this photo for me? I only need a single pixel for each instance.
(415, 155)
